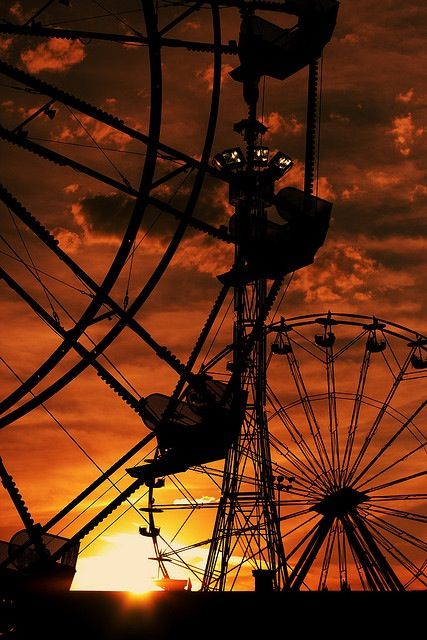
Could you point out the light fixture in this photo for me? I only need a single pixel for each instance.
(229, 159)
(280, 164)
(261, 156)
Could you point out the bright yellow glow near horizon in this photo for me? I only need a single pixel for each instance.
(122, 565)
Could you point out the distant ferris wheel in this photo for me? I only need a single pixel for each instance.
(314, 455)
(346, 410)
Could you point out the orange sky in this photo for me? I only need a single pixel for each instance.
(373, 150)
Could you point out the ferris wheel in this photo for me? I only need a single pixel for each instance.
(303, 435)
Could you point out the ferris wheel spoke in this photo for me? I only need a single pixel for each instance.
(297, 483)
(315, 537)
(382, 412)
(312, 467)
(394, 551)
(387, 572)
(342, 555)
(289, 532)
(401, 480)
(306, 476)
(421, 574)
(390, 441)
(322, 458)
(395, 530)
(329, 547)
(364, 557)
(99, 115)
(398, 513)
(399, 497)
(359, 568)
(88, 356)
(399, 460)
(332, 412)
(356, 411)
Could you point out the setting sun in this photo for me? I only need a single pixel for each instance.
(122, 565)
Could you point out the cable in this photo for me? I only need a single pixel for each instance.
(90, 146)
(48, 275)
(157, 218)
(217, 332)
(88, 18)
(161, 155)
(86, 130)
(64, 309)
(116, 16)
(65, 430)
(36, 274)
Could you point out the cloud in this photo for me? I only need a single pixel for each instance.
(344, 273)
(88, 127)
(5, 44)
(351, 38)
(8, 105)
(338, 116)
(102, 218)
(351, 192)
(16, 10)
(405, 133)
(418, 192)
(405, 96)
(295, 178)
(202, 500)
(69, 241)
(383, 179)
(207, 74)
(71, 188)
(54, 55)
(205, 256)
(191, 25)
(276, 123)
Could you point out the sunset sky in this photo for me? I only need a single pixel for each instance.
(373, 143)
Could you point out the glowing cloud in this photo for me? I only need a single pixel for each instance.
(54, 55)
(405, 133)
(405, 96)
(202, 500)
(276, 123)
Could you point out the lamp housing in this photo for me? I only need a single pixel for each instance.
(280, 164)
(229, 160)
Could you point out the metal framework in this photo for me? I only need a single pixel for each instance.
(304, 502)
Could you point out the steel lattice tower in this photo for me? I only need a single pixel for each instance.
(247, 521)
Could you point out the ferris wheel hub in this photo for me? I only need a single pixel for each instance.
(340, 502)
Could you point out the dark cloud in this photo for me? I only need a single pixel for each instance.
(106, 214)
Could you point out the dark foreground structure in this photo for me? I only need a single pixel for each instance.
(158, 615)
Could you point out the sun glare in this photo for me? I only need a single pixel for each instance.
(122, 565)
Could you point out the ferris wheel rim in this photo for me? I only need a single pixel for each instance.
(202, 168)
(380, 500)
